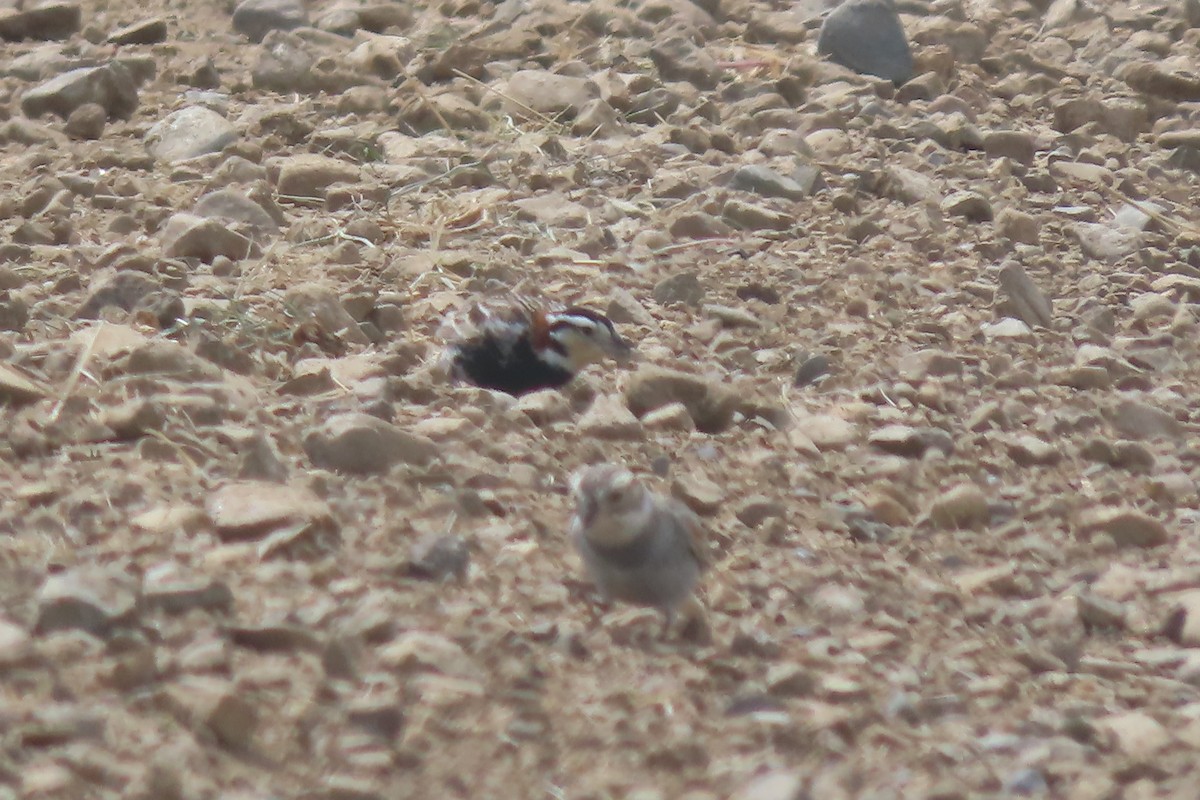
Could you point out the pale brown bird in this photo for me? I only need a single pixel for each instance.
(638, 547)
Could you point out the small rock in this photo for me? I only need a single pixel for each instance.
(548, 93)
(233, 205)
(110, 86)
(438, 557)
(790, 680)
(608, 418)
(254, 19)
(1135, 733)
(1100, 612)
(545, 407)
(92, 599)
(1138, 420)
(46, 21)
(360, 444)
(426, 651)
(188, 133)
(311, 302)
(828, 431)
(962, 506)
(683, 287)
(867, 37)
(755, 217)
(1105, 242)
(170, 588)
(86, 122)
(776, 785)
(972, 205)
(910, 442)
(253, 509)
(1007, 328)
(148, 31)
(190, 236)
(699, 494)
(671, 417)
(711, 405)
(1024, 300)
(215, 706)
(16, 645)
(1030, 450)
(767, 182)
(758, 509)
(922, 364)
(1019, 146)
(678, 59)
(1159, 79)
(1183, 624)
(18, 388)
(1128, 527)
(310, 175)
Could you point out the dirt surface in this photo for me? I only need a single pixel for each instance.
(945, 337)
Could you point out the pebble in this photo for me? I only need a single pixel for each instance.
(548, 93)
(46, 21)
(439, 557)
(755, 217)
(678, 59)
(110, 86)
(1023, 299)
(253, 509)
(710, 405)
(90, 598)
(190, 236)
(16, 645)
(1127, 527)
(972, 205)
(671, 417)
(254, 19)
(609, 418)
(311, 175)
(1136, 734)
(682, 287)
(189, 133)
(961, 506)
(828, 432)
(147, 31)
(319, 304)
(1138, 420)
(214, 706)
(86, 122)
(867, 37)
(767, 182)
(360, 444)
(1183, 624)
(233, 205)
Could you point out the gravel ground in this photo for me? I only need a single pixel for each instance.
(940, 337)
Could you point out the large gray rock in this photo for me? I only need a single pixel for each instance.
(867, 37)
(188, 133)
(45, 21)
(110, 86)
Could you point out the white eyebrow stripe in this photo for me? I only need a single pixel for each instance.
(577, 321)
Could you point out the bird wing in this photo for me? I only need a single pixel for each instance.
(691, 527)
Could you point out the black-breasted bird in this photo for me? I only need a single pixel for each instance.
(518, 346)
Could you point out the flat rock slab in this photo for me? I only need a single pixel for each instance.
(252, 509)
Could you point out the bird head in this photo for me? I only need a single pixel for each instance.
(578, 337)
(611, 505)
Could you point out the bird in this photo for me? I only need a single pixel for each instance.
(638, 547)
(518, 345)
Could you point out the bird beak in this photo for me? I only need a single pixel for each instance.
(622, 351)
